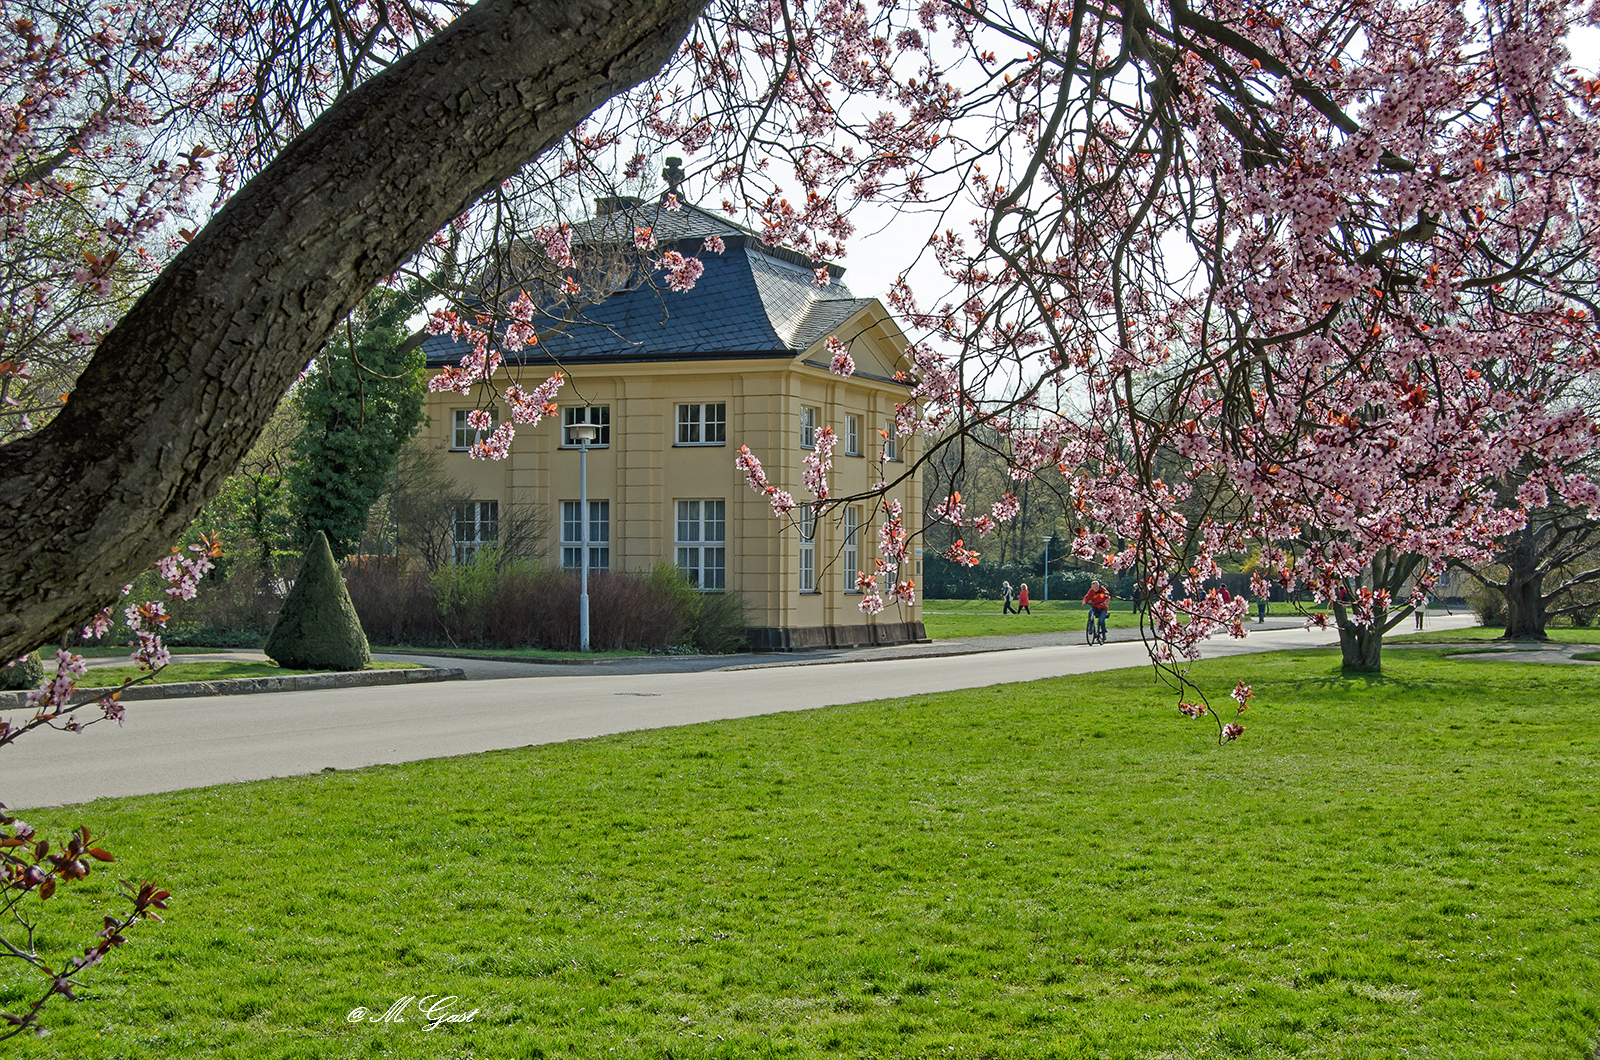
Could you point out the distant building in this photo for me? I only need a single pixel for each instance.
(676, 382)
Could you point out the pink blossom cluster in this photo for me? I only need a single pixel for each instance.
(839, 360)
(950, 510)
(756, 477)
(819, 462)
(959, 553)
(682, 272)
(1006, 508)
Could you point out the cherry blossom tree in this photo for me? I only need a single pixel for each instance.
(1238, 271)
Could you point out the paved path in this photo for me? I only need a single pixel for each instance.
(167, 745)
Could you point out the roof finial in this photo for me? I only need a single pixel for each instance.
(673, 174)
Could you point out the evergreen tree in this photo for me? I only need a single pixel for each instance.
(360, 402)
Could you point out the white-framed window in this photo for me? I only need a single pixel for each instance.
(852, 436)
(598, 415)
(808, 549)
(703, 424)
(464, 434)
(852, 566)
(891, 441)
(702, 544)
(599, 535)
(477, 526)
(808, 427)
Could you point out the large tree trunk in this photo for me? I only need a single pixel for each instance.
(1524, 587)
(1360, 647)
(177, 393)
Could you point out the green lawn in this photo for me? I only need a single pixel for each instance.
(952, 619)
(1564, 635)
(110, 676)
(1388, 867)
(530, 654)
(112, 651)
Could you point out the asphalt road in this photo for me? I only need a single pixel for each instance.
(169, 745)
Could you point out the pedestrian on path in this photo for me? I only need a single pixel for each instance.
(1022, 599)
(1006, 594)
(1261, 610)
(1422, 607)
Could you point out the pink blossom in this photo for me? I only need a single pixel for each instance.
(818, 462)
(950, 510)
(841, 362)
(958, 553)
(682, 272)
(1006, 508)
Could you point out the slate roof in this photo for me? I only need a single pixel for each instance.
(752, 300)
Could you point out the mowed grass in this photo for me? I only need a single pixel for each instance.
(111, 676)
(955, 619)
(1387, 867)
(1563, 635)
(952, 619)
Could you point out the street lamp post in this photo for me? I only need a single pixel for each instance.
(583, 434)
(1047, 566)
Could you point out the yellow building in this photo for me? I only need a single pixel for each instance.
(676, 382)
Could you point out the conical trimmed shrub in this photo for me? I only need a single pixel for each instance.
(22, 676)
(318, 628)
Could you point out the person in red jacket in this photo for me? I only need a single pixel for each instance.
(1022, 599)
(1098, 601)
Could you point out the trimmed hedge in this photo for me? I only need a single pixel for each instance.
(28, 673)
(318, 628)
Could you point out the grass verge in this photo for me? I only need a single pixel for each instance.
(1386, 866)
(1564, 635)
(956, 619)
(111, 676)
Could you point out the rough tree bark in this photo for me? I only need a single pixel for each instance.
(180, 389)
(1524, 586)
(1361, 647)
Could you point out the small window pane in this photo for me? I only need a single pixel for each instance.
(717, 423)
(598, 415)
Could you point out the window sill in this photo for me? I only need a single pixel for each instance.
(597, 445)
(699, 445)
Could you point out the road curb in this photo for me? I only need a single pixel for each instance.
(242, 686)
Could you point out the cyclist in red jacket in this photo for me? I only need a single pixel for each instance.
(1099, 602)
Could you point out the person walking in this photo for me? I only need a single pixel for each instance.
(1421, 607)
(1022, 599)
(1261, 610)
(1006, 596)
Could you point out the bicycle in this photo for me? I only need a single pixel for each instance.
(1095, 631)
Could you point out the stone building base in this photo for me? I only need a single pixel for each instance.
(813, 638)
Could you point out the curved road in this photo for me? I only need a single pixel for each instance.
(168, 745)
